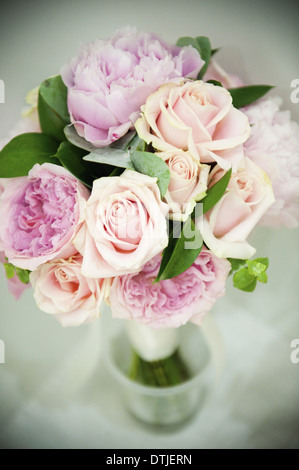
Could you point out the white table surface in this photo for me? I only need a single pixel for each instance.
(54, 389)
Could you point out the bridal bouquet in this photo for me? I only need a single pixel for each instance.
(135, 178)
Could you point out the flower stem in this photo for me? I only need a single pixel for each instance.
(165, 372)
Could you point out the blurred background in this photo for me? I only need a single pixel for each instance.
(54, 389)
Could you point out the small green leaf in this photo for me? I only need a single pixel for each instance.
(244, 281)
(255, 268)
(9, 270)
(236, 263)
(52, 107)
(74, 138)
(24, 151)
(246, 95)
(181, 252)
(151, 165)
(262, 277)
(23, 275)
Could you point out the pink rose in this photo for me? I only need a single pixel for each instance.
(124, 227)
(41, 214)
(188, 183)
(172, 302)
(197, 117)
(109, 80)
(61, 290)
(227, 225)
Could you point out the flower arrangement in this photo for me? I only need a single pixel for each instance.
(135, 178)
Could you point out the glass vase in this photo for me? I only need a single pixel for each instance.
(200, 348)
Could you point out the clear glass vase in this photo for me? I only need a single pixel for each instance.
(201, 350)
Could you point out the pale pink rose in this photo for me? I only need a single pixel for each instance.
(15, 286)
(109, 80)
(124, 227)
(41, 214)
(216, 72)
(61, 290)
(274, 145)
(172, 302)
(226, 227)
(188, 183)
(197, 117)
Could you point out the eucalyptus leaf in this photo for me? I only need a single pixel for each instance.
(52, 107)
(74, 138)
(149, 164)
(24, 151)
(110, 156)
(246, 95)
(181, 252)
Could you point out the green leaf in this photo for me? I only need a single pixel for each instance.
(9, 270)
(71, 158)
(202, 45)
(110, 156)
(236, 263)
(262, 277)
(181, 252)
(256, 268)
(215, 82)
(246, 95)
(23, 275)
(52, 107)
(214, 194)
(205, 53)
(74, 138)
(151, 165)
(24, 151)
(244, 281)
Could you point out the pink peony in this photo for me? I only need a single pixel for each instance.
(125, 225)
(109, 80)
(197, 117)
(61, 290)
(172, 302)
(274, 145)
(41, 213)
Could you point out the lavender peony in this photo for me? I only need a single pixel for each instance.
(109, 80)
